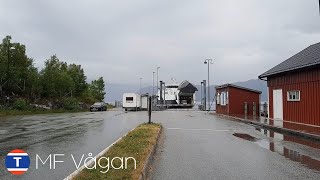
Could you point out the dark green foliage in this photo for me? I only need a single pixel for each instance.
(57, 81)
(16, 70)
(20, 104)
(70, 103)
(97, 89)
(78, 78)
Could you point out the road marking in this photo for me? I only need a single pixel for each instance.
(217, 130)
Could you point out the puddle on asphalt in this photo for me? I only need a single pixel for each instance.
(245, 136)
(294, 139)
(282, 150)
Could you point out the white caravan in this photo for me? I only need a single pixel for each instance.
(131, 101)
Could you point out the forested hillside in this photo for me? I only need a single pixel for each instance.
(58, 84)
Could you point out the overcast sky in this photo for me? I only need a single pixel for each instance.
(122, 40)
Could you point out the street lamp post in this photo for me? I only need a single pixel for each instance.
(208, 61)
(153, 83)
(157, 79)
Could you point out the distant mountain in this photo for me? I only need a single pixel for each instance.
(115, 91)
(255, 84)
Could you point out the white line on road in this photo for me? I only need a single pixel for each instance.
(217, 130)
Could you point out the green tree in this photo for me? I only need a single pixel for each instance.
(97, 89)
(78, 78)
(55, 80)
(33, 86)
(15, 68)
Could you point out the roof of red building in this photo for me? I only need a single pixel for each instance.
(308, 57)
(239, 87)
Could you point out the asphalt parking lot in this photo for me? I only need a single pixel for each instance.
(196, 145)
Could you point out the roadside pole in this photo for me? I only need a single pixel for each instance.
(201, 92)
(149, 108)
(161, 95)
(164, 94)
(205, 95)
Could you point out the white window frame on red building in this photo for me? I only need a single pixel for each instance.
(293, 95)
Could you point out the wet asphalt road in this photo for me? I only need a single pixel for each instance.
(75, 133)
(195, 145)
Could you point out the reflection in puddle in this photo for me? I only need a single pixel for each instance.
(313, 129)
(284, 137)
(280, 149)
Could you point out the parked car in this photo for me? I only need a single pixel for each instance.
(98, 106)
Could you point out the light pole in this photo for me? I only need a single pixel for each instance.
(140, 84)
(208, 61)
(153, 83)
(157, 78)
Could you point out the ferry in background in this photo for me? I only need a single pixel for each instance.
(178, 95)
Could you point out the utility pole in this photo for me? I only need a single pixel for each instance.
(208, 61)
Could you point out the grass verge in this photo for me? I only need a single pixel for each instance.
(6, 112)
(137, 144)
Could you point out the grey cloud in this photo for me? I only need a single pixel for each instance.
(125, 40)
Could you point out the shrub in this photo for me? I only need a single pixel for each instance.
(20, 104)
(70, 104)
(110, 106)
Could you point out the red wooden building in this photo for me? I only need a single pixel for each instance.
(294, 88)
(232, 100)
